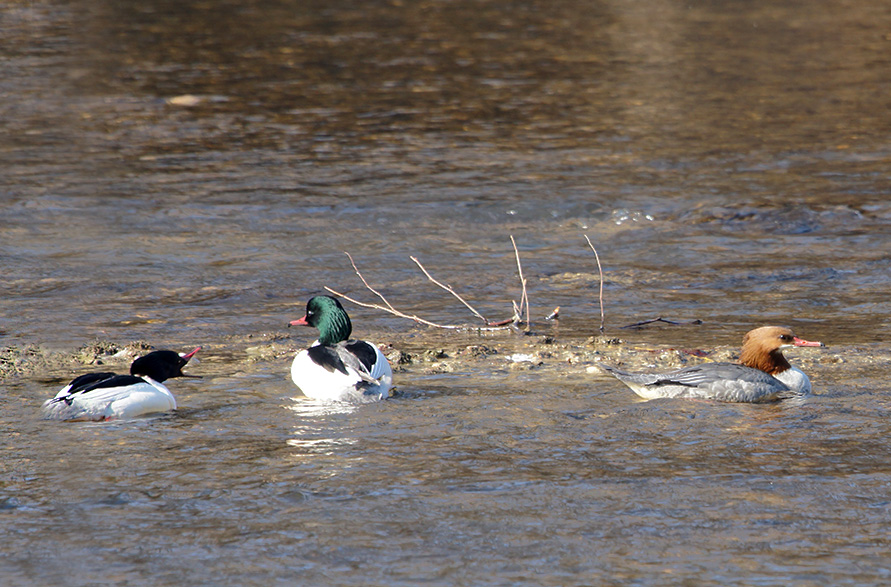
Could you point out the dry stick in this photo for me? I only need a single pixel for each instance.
(600, 270)
(661, 319)
(490, 326)
(389, 310)
(524, 298)
(413, 317)
(371, 289)
(449, 289)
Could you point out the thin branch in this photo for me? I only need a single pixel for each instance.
(489, 325)
(600, 271)
(418, 319)
(371, 289)
(661, 319)
(524, 298)
(449, 289)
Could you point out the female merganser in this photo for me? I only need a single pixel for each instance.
(106, 396)
(334, 368)
(762, 375)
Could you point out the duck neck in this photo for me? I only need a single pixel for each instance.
(334, 328)
(772, 362)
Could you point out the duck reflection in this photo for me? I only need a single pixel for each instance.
(312, 434)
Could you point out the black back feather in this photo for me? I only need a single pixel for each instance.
(83, 382)
(356, 354)
(326, 356)
(92, 381)
(364, 352)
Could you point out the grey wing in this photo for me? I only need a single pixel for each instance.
(647, 378)
(721, 381)
(733, 382)
(714, 372)
(351, 360)
(698, 375)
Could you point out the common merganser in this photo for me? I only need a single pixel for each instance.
(334, 368)
(762, 375)
(108, 396)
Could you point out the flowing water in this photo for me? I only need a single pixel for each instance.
(188, 173)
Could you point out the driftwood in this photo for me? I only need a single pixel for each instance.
(487, 325)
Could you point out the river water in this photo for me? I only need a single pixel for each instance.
(188, 173)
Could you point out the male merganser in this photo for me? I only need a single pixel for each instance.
(107, 396)
(334, 368)
(762, 375)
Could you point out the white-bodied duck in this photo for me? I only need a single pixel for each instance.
(762, 375)
(335, 368)
(108, 396)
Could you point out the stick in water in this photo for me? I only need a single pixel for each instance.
(449, 289)
(600, 271)
(489, 325)
(524, 298)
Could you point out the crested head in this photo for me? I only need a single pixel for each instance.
(762, 348)
(326, 314)
(161, 365)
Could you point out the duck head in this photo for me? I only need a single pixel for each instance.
(762, 348)
(162, 365)
(326, 314)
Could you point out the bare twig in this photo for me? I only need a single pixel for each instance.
(371, 289)
(661, 319)
(494, 326)
(389, 310)
(600, 271)
(489, 325)
(524, 298)
(449, 289)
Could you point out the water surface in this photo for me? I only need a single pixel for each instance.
(184, 173)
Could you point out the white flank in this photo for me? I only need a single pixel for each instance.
(108, 403)
(318, 383)
(796, 380)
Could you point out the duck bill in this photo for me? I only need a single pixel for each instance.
(801, 342)
(188, 356)
(299, 322)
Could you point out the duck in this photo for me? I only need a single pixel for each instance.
(334, 367)
(109, 396)
(762, 375)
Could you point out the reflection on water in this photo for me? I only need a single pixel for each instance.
(317, 445)
(310, 408)
(188, 173)
(312, 416)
